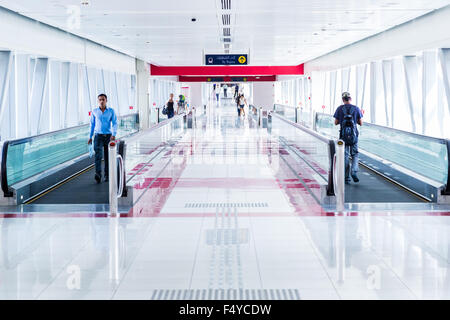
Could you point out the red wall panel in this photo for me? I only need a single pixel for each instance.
(225, 70)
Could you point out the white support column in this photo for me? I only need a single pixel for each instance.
(38, 90)
(5, 72)
(386, 69)
(373, 91)
(358, 77)
(81, 93)
(117, 95)
(364, 81)
(21, 93)
(444, 59)
(142, 86)
(393, 91)
(345, 79)
(65, 82)
(429, 90)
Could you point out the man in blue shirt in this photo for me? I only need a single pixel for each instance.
(104, 126)
(350, 150)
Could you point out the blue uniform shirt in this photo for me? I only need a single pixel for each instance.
(101, 122)
(341, 111)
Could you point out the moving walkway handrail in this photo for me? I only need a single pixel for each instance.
(369, 124)
(331, 149)
(7, 144)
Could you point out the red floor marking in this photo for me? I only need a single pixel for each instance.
(156, 214)
(226, 183)
(154, 199)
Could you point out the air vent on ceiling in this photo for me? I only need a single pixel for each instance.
(226, 4)
(226, 19)
(226, 32)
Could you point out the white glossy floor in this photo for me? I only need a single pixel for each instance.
(224, 218)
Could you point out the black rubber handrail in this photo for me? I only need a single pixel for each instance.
(446, 191)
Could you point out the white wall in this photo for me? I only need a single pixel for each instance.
(263, 95)
(25, 35)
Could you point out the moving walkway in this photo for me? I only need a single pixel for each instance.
(395, 165)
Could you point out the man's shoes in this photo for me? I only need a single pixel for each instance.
(98, 178)
(106, 179)
(347, 181)
(355, 177)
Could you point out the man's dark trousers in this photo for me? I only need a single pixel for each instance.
(101, 141)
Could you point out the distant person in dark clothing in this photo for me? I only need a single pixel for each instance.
(348, 113)
(236, 90)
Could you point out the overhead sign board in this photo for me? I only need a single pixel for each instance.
(216, 79)
(226, 59)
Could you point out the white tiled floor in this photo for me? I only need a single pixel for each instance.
(225, 242)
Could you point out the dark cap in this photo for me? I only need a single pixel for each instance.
(346, 95)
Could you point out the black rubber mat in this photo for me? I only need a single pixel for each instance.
(374, 188)
(82, 189)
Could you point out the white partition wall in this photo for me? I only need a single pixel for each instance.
(263, 94)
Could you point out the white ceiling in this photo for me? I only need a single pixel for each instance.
(281, 32)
